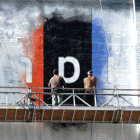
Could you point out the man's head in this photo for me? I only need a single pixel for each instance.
(55, 72)
(89, 73)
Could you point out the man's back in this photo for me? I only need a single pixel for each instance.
(56, 81)
(89, 85)
(90, 82)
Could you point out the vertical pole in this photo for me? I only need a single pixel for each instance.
(73, 97)
(6, 99)
(28, 96)
(29, 91)
(118, 103)
(95, 98)
(39, 99)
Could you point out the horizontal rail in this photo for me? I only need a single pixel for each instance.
(49, 93)
(112, 89)
(29, 98)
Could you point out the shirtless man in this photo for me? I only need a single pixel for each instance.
(89, 84)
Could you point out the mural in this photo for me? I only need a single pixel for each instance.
(37, 36)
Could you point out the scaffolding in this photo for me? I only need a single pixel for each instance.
(30, 107)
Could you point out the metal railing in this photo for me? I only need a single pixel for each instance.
(71, 97)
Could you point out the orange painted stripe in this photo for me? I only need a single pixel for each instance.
(36, 55)
(38, 61)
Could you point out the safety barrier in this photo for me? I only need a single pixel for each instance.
(75, 95)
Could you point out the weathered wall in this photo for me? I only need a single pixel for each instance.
(35, 33)
(47, 131)
(38, 35)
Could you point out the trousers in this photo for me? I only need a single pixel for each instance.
(56, 98)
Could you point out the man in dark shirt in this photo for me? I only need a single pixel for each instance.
(55, 83)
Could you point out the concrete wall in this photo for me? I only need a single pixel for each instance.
(47, 131)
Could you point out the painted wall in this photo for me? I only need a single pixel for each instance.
(38, 35)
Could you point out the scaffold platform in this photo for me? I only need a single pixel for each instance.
(71, 114)
(25, 110)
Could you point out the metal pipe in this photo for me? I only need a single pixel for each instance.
(72, 88)
(73, 98)
(73, 93)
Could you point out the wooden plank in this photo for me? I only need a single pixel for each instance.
(6, 114)
(15, 115)
(139, 119)
(68, 115)
(57, 115)
(108, 116)
(2, 114)
(20, 114)
(42, 115)
(89, 115)
(11, 114)
(104, 116)
(73, 115)
(52, 115)
(79, 115)
(29, 115)
(117, 116)
(47, 115)
(38, 115)
(94, 115)
(84, 115)
(113, 116)
(125, 116)
(62, 115)
(135, 117)
(121, 117)
(130, 116)
(34, 115)
(99, 116)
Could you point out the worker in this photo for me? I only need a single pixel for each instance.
(56, 82)
(90, 85)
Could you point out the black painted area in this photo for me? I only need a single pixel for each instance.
(67, 38)
(137, 4)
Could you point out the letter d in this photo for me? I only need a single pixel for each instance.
(74, 61)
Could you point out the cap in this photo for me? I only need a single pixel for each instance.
(90, 72)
